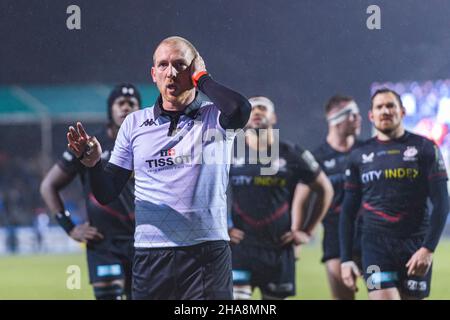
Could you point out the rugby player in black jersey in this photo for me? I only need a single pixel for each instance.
(263, 232)
(110, 228)
(344, 125)
(391, 176)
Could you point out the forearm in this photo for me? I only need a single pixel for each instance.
(234, 107)
(51, 197)
(350, 207)
(107, 183)
(318, 212)
(438, 218)
(324, 195)
(300, 202)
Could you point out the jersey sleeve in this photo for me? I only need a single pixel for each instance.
(69, 163)
(434, 165)
(122, 154)
(307, 168)
(352, 180)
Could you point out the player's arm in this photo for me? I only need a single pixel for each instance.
(420, 262)
(300, 204)
(54, 181)
(309, 172)
(349, 212)
(323, 189)
(350, 207)
(106, 182)
(234, 107)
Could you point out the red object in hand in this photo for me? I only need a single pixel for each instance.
(196, 76)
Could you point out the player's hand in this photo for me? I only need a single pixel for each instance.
(349, 273)
(297, 252)
(84, 233)
(420, 262)
(296, 237)
(198, 64)
(85, 147)
(236, 235)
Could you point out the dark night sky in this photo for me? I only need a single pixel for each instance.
(296, 52)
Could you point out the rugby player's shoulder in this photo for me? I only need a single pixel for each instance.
(322, 151)
(290, 147)
(363, 146)
(418, 139)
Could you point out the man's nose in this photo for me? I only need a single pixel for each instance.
(172, 72)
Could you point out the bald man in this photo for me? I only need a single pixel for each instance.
(181, 236)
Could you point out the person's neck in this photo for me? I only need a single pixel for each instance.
(260, 140)
(113, 130)
(395, 134)
(180, 103)
(339, 142)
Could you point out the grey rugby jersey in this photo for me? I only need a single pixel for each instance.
(180, 178)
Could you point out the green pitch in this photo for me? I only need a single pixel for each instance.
(46, 277)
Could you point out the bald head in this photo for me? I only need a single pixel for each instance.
(176, 42)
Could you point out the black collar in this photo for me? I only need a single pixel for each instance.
(190, 110)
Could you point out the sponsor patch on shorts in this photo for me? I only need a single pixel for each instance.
(241, 275)
(109, 270)
(381, 277)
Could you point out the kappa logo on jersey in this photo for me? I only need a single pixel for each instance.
(329, 164)
(410, 154)
(148, 123)
(367, 158)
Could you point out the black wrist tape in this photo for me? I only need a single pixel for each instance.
(65, 221)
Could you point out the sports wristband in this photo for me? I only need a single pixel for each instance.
(65, 221)
(196, 76)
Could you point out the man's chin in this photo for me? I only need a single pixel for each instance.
(386, 130)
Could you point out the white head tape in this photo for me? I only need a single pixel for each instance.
(341, 115)
(262, 101)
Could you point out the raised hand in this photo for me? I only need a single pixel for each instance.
(85, 147)
(198, 64)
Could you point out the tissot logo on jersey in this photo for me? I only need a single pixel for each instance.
(168, 158)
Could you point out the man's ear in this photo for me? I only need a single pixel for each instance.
(403, 111)
(370, 114)
(152, 73)
(273, 119)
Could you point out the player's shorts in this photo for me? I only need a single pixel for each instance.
(111, 260)
(384, 259)
(199, 272)
(330, 241)
(272, 270)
